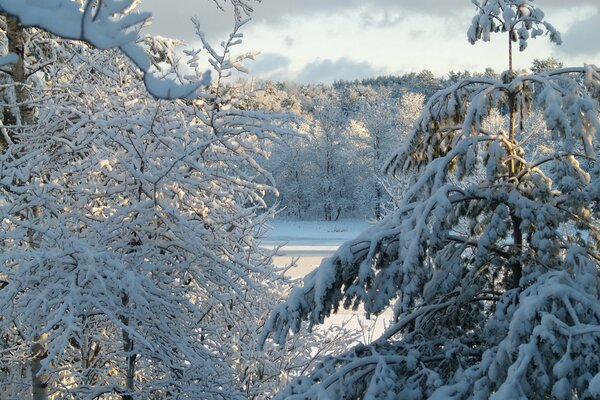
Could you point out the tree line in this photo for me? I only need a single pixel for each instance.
(346, 132)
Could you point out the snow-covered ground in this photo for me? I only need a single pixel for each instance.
(309, 242)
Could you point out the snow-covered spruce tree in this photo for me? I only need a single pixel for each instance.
(490, 262)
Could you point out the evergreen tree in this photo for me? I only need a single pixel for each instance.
(490, 263)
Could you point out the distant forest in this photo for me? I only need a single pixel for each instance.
(345, 132)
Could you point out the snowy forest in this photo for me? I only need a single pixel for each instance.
(138, 178)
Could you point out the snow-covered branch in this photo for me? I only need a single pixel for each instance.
(103, 24)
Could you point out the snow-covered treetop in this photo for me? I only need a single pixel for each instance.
(459, 111)
(520, 18)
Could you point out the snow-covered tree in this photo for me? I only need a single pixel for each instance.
(331, 155)
(355, 127)
(491, 261)
(292, 172)
(380, 123)
(129, 265)
(103, 24)
(377, 115)
(519, 19)
(316, 171)
(539, 66)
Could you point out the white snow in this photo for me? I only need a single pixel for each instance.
(309, 242)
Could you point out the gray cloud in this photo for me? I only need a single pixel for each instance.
(268, 63)
(171, 18)
(583, 38)
(272, 11)
(381, 18)
(328, 71)
(289, 41)
(416, 34)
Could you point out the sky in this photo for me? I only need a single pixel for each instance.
(327, 40)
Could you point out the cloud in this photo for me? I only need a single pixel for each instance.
(289, 41)
(381, 19)
(267, 64)
(171, 18)
(325, 40)
(583, 37)
(328, 71)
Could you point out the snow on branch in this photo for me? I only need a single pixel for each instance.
(103, 24)
(522, 20)
(569, 113)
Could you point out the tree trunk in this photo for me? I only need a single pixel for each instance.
(510, 52)
(21, 115)
(328, 199)
(377, 149)
(378, 203)
(130, 356)
(39, 382)
(515, 267)
(130, 367)
(16, 44)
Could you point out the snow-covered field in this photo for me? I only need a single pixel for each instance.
(309, 242)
